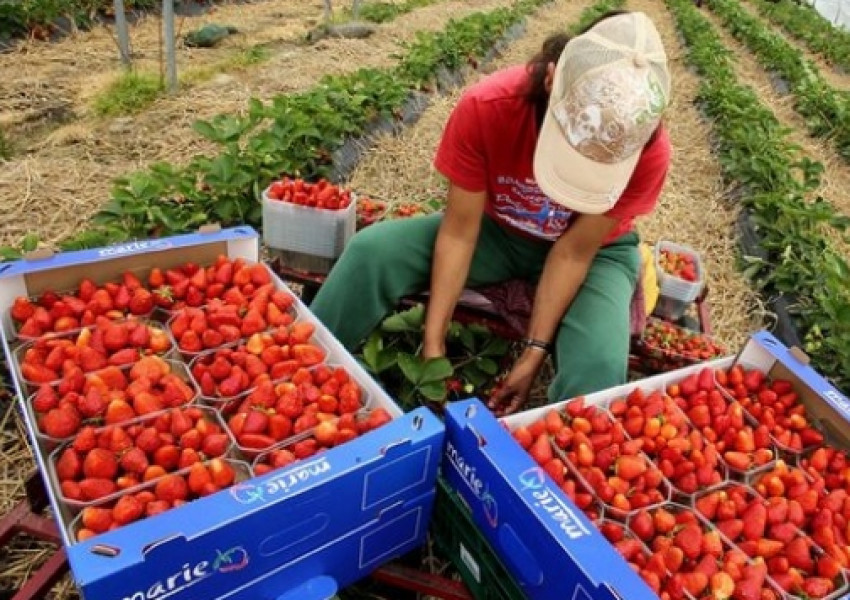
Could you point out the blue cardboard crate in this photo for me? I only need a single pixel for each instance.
(545, 541)
(550, 547)
(301, 532)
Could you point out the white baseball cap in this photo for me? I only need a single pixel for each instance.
(610, 89)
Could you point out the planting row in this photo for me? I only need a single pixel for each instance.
(289, 134)
(794, 259)
(218, 380)
(716, 486)
(805, 23)
(825, 109)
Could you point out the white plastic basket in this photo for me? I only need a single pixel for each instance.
(313, 231)
(675, 288)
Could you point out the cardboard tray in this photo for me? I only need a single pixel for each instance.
(286, 534)
(548, 545)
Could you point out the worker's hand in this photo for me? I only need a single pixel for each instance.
(513, 392)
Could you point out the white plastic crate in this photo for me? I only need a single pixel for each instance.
(306, 230)
(674, 288)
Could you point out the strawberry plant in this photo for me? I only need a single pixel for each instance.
(805, 23)
(797, 261)
(292, 134)
(473, 359)
(824, 108)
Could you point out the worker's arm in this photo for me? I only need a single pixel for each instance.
(453, 250)
(563, 274)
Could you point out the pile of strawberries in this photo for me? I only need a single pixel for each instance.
(101, 462)
(170, 491)
(682, 265)
(666, 346)
(54, 312)
(273, 412)
(326, 434)
(716, 487)
(321, 194)
(109, 396)
(152, 392)
(104, 344)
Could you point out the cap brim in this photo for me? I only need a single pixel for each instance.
(573, 180)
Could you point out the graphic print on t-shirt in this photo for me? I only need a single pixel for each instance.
(522, 205)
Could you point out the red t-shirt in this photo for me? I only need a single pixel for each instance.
(489, 142)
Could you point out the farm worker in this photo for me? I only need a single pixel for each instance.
(548, 164)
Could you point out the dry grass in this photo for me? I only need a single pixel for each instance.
(66, 176)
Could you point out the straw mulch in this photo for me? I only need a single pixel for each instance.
(692, 209)
(55, 188)
(835, 179)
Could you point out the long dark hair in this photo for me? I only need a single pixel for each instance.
(550, 52)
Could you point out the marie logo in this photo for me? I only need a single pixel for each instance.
(474, 482)
(279, 482)
(534, 483)
(133, 247)
(247, 493)
(225, 561)
(532, 479)
(231, 560)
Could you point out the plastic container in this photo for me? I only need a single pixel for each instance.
(359, 416)
(460, 540)
(14, 327)
(666, 426)
(72, 339)
(685, 347)
(674, 287)
(76, 505)
(308, 231)
(752, 399)
(207, 357)
(242, 472)
(177, 368)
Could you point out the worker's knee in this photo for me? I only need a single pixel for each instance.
(588, 370)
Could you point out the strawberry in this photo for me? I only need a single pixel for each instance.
(755, 521)
(642, 525)
(61, 422)
(96, 488)
(96, 519)
(68, 466)
(689, 539)
(171, 488)
(199, 478)
(798, 552)
(22, 309)
(630, 467)
(141, 302)
(134, 460)
(100, 463)
(127, 509)
(222, 472)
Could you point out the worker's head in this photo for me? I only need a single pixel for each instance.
(606, 95)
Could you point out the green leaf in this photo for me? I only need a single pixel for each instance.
(467, 339)
(436, 369)
(411, 367)
(205, 129)
(487, 365)
(29, 243)
(371, 350)
(406, 321)
(435, 391)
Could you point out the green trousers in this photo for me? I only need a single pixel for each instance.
(392, 259)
